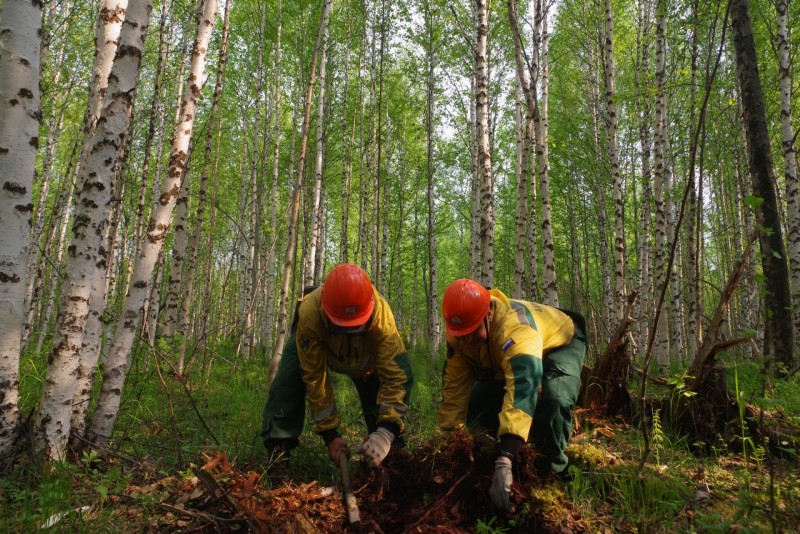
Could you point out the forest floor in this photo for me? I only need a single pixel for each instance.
(442, 486)
(190, 459)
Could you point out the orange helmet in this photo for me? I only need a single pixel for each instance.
(347, 296)
(464, 306)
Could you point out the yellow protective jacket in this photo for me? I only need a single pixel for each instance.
(520, 335)
(320, 351)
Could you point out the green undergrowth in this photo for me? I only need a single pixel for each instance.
(166, 424)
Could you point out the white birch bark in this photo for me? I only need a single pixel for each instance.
(613, 154)
(599, 193)
(84, 283)
(521, 209)
(481, 96)
(675, 307)
(790, 168)
(524, 142)
(252, 210)
(156, 116)
(475, 261)
(20, 22)
(662, 341)
(434, 334)
(644, 245)
(549, 285)
(294, 207)
(750, 310)
(63, 225)
(347, 146)
(116, 365)
(269, 315)
(107, 32)
(197, 232)
(311, 273)
(36, 261)
(531, 284)
(172, 301)
(693, 225)
(376, 77)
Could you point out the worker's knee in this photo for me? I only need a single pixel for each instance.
(561, 390)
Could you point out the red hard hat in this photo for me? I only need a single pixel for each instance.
(347, 296)
(464, 306)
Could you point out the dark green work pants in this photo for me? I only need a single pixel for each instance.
(284, 413)
(552, 420)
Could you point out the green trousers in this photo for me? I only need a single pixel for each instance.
(552, 420)
(284, 414)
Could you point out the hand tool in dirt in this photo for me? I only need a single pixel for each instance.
(349, 499)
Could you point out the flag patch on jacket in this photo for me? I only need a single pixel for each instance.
(508, 344)
(304, 342)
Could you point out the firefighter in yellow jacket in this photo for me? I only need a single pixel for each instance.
(344, 326)
(499, 351)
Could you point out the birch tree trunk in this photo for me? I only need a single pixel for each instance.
(63, 224)
(115, 367)
(316, 206)
(36, 261)
(20, 22)
(107, 32)
(486, 267)
(347, 147)
(83, 288)
(294, 207)
(599, 190)
(790, 168)
(378, 248)
(269, 316)
(251, 209)
(156, 115)
(475, 189)
(531, 283)
(613, 154)
(521, 177)
(172, 301)
(778, 337)
(524, 142)
(108, 26)
(644, 246)
(434, 334)
(197, 232)
(549, 286)
(662, 348)
(693, 223)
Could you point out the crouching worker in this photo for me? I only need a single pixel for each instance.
(344, 326)
(499, 351)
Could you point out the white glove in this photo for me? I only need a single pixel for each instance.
(500, 491)
(376, 447)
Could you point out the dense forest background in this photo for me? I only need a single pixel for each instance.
(176, 172)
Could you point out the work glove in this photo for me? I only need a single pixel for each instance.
(336, 447)
(376, 447)
(500, 491)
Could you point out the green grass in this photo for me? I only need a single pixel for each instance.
(159, 423)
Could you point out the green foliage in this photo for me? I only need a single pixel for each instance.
(66, 497)
(489, 527)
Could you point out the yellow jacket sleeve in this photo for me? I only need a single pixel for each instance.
(458, 382)
(394, 380)
(319, 390)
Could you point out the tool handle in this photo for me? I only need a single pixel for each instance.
(349, 499)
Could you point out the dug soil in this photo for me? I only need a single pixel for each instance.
(441, 486)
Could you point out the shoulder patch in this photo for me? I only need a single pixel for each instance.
(304, 342)
(508, 344)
